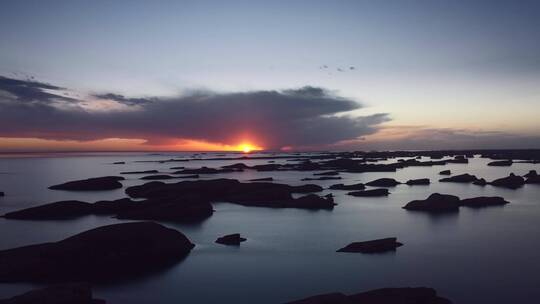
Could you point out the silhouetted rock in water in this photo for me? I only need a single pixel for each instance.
(531, 173)
(104, 253)
(501, 163)
(229, 190)
(462, 178)
(483, 201)
(420, 181)
(72, 293)
(480, 182)
(321, 178)
(327, 173)
(2, 194)
(512, 181)
(267, 167)
(460, 159)
(533, 180)
(168, 209)
(231, 239)
(206, 170)
(264, 179)
(119, 163)
(370, 193)
(240, 166)
(358, 186)
(445, 172)
(406, 295)
(157, 177)
(383, 182)
(435, 203)
(91, 184)
(373, 246)
(311, 201)
(56, 210)
(113, 207)
(140, 172)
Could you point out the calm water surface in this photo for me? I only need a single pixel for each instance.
(489, 255)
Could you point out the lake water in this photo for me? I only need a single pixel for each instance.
(488, 255)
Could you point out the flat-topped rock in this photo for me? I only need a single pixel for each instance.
(168, 209)
(373, 246)
(119, 163)
(231, 239)
(462, 178)
(370, 193)
(158, 177)
(104, 253)
(140, 172)
(500, 163)
(358, 186)
(406, 295)
(206, 170)
(327, 173)
(435, 203)
(71, 293)
(321, 178)
(264, 179)
(445, 172)
(420, 181)
(91, 184)
(383, 182)
(483, 201)
(56, 210)
(512, 182)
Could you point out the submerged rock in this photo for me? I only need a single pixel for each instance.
(370, 193)
(406, 295)
(384, 182)
(358, 186)
(373, 246)
(512, 181)
(420, 181)
(231, 239)
(91, 184)
(103, 253)
(445, 172)
(501, 163)
(462, 178)
(435, 203)
(483, 201)
(56, 210)
(72, 293)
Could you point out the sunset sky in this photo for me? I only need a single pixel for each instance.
(300, 75)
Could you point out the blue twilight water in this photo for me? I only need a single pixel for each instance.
(489, 255)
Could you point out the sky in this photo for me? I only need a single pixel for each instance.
(278, 75)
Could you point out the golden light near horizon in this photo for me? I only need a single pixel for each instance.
(247, 147)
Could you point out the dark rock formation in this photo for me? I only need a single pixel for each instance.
(119, 163)
(407, 295)
(56, 210)
(103, 253)
(2, 194)
(113, 207)
(445, 172)
(140, 172)
(168, 209)
(262, 194)
(373, 246)
(321, 178)
(238, 166)
(480, 182)
(532, 177)
(358, 186)
(512, 181)
(463, 178)
(157, 177)
(327, 173)
(231, 239)
(72, 293)
(370, 193)
(264, 179)
(420, 181)
(383, 182)
(435, 203)
(206, 170)
(483, 201)
(91, 184)
(501, 163)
